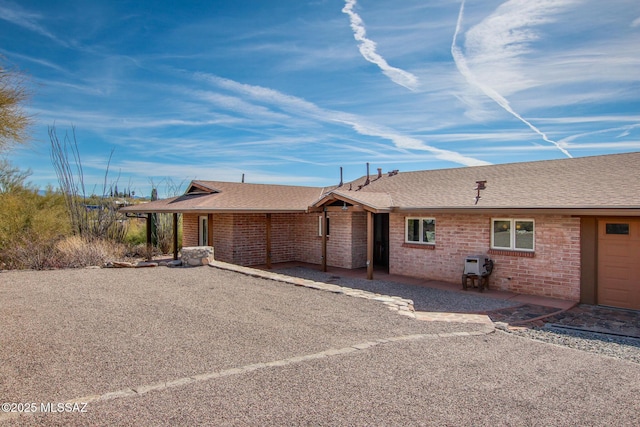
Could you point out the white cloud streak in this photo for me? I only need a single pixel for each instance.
(471, 78)
(367, 48)
(29, 21)
(302, 107)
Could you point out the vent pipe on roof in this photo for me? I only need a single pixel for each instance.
(340, 185)
(480, 185)
(379, 173)
(243, 178)
(367, 181)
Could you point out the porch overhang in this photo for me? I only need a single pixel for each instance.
(364, 202)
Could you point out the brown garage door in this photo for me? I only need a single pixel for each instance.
(619, 263)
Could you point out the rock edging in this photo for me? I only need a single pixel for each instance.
(400, 305)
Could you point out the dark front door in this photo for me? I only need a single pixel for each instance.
(381, 240)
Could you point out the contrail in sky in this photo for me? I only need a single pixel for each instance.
(299, 106)
(368, 50)
(464, 69)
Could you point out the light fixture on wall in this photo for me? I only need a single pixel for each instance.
(344, 205)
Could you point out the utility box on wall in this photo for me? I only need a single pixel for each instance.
(477, 265)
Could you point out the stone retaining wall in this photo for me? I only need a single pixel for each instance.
(194, 256)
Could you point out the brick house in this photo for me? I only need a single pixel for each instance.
(565, 228)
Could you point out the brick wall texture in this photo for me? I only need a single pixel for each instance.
(553, 271)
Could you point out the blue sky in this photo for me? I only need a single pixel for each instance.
(287, 91)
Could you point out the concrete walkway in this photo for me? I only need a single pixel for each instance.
(519, 310)
(404, 306)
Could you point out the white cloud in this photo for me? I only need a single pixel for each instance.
(297, 105)
(621, 131)
(636, 22)
(30, 21)
(504, 22)
(367, 48)
(238, 105)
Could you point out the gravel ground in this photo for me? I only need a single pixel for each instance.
(424, 299)
(608, 345)
(429, 299)
(203, 346)
(150, 324)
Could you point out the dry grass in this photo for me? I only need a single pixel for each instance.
(77, 252)
(68, 252)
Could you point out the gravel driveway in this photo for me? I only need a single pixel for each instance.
(202, 346)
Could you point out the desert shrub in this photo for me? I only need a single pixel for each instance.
(75, 251)
(31, 225)
(25, 253)
(136, 232)
(102, 220)
(165, 232)
(142, 251)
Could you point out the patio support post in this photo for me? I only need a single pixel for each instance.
(210, 229)
(175, 236)
(268, 225)
(324, 239)
(369, 245)
(149, 244)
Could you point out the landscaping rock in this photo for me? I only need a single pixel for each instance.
(118, 264)
(146, 264)
(197, 255)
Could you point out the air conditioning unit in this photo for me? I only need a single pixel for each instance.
(478, 265)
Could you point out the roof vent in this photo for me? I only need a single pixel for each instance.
(367, 181)
(480, 185)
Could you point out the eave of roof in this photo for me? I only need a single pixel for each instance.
(632, 211)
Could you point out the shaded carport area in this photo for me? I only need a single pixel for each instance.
(204, 346)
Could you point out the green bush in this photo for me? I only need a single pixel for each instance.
(31, 226)
(136, 232)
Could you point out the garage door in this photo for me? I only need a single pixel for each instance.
(619, 263)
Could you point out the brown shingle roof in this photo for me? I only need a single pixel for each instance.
(598, 182)
(236, 197)
(611, 181)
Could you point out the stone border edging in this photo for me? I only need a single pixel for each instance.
(398, 304)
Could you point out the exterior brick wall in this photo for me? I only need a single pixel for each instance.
(189, 230)
(359, 240)
(242, 238)
(249, 239)
(553, 271)
(283, 228)
(339, 242)
(222, 230)
(309, 242)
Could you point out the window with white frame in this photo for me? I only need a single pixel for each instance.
(320, 218)
(513, 234)
(420, 230)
